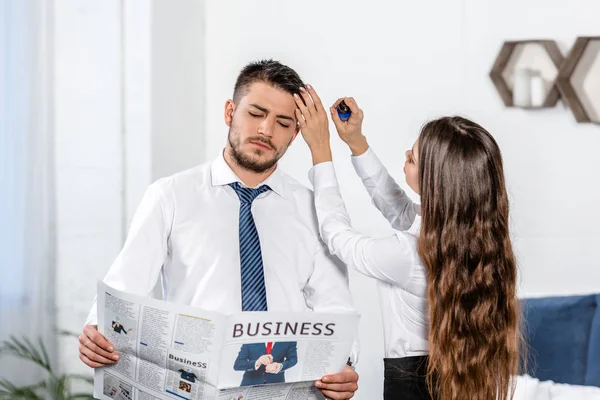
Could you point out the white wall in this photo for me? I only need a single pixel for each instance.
(552, 163)
(178, 84)
(406, 64)
(128, 102)
(88, 156)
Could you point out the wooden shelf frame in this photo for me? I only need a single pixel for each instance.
(502, 60)
(565, 73)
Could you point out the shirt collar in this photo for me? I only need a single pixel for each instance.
(222, 174)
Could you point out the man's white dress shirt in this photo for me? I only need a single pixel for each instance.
(186, 231)
(392, 260)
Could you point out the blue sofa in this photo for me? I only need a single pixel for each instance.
(563, 335)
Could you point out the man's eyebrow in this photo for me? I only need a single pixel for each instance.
(260, 108)
(266, 111)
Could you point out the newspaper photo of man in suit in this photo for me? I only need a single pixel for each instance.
(265, 362)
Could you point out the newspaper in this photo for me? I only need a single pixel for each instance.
(173, 351)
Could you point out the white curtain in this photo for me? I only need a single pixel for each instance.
(26, 184)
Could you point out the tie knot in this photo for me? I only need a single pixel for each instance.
(247, 195)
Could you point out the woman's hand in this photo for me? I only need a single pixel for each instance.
(350, 131)
(314, 124)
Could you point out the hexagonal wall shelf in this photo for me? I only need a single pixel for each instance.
(579, 86)
(544, 52)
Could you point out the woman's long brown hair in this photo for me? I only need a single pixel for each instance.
(475, 336)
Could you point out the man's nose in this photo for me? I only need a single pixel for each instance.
(266, 128)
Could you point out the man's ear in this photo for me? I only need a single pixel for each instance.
(228, 113)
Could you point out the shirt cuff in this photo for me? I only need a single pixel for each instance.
(367, 164)
(92, 318)
(323, 176)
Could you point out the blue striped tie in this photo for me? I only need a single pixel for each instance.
(254, 293)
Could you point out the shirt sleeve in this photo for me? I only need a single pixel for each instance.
(327, 289)
(385, 193)
(389, 259)
(137, 267)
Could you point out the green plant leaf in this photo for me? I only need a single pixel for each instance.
(40, 354)
(81, 396)
(55, 387)
(26, 350)
(58, 387)
(8, 391)
(46, 358)
(62, 332)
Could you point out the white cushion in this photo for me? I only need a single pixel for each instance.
(529, 388)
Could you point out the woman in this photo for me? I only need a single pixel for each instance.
(447, 277)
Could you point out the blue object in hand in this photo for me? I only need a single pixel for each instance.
(343, 111)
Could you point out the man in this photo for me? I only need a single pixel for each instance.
(117, 327)
(265, 362)
(236, 234)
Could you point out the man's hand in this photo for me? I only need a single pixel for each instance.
(339, 386)
(265, 359)
(314, 124)
(274, 368)
(350, 131)
(94, 350)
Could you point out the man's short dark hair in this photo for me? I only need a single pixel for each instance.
(268, 71)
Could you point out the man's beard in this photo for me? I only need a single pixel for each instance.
(245, 161)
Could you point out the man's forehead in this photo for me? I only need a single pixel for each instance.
(270, 97)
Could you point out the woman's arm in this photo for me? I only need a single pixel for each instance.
(385, 193)
(389, 259)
